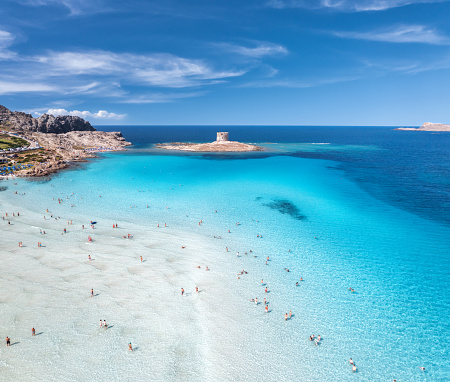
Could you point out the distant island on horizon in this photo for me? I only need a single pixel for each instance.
(427, 126)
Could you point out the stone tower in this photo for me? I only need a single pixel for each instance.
(222, 136)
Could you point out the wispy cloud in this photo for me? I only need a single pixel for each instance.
(260, 49)
(101, 114)
(6, 39)
(400, 34)
(298, 84)
(162, 70)
(75, 7)
(348, 5)
(14, 87)
(159, 97)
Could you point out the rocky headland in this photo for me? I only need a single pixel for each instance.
(54, 142)
(428, 126)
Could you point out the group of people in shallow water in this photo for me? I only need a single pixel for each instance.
(316, 340)
(103, 324)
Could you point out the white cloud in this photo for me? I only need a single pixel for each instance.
(400, 34)
(348, 5)
(76, 7)
(160, 97)
(260, 50)
(6, 39)
(164, 70)
(299, 84)
(12, 87)
(101, 114)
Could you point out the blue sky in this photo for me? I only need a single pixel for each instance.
(274, 62)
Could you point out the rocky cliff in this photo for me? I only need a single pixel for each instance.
(22, 122)
(63, 140)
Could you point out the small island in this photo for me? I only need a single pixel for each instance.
(428, 126)
(221, 144)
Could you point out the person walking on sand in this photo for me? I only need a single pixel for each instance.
(196, 289)
(89, 257)
(8, 341)
(141, 259)
(101, 323)
(130, 348)
(33, 332)
(182, 291)
(92, 292)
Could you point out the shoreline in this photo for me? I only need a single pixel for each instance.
(58, 276)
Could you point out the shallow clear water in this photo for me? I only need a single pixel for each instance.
(368, 210)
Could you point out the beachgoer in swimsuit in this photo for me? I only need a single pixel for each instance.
(92, 292)
(182, 291)
(8, 341)
(130, 347)
(33, 332)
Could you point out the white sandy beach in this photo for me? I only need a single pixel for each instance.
(216, 334)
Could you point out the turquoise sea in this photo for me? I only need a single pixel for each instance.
(366, 208)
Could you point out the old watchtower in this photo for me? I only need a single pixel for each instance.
(222, 137)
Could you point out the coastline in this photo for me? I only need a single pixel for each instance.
(218, 333)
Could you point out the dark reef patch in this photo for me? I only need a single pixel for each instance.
(3, 188)
(285, 207)
(258, 198)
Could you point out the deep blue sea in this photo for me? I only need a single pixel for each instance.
(366, 208)
(408, 169)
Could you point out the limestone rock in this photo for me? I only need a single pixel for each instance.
(20, 121)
